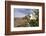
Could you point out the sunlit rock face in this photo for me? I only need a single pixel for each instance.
(32, 17)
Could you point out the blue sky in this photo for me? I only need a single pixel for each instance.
(21, 12)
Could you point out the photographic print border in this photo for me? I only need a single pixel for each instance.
(8, 16)
(26, 28)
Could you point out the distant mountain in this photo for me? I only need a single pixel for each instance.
(31, 16)
(17, 18)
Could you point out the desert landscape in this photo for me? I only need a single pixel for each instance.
(29, 20)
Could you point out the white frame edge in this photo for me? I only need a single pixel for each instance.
(25, 28)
